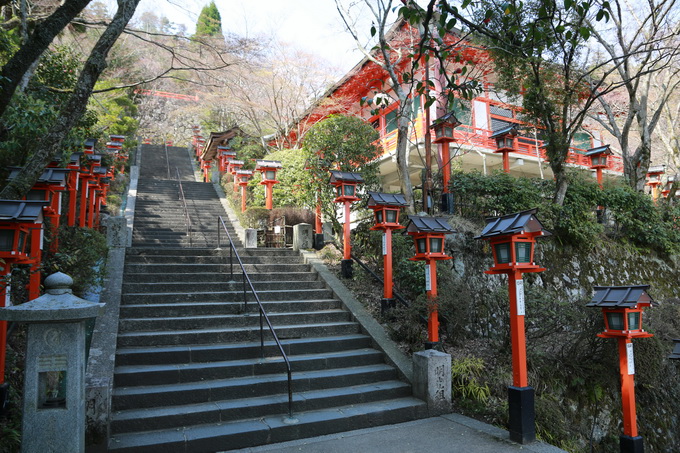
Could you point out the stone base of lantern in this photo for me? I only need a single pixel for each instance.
(346, 268)
(521, 424)
(4, 398)
(386, 305)
(319, 241)
(631, 444)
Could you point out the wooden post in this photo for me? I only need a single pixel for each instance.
(431, 289)
(627, 386)
(517, 335)
(346, 237)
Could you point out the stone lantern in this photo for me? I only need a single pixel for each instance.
(386, 208)
(622, 308)
(345, 184)
(268, 168)
(505, 144)
(54, 376)
(429, 235)
(513, 238)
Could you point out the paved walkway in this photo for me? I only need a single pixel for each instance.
(448, 433)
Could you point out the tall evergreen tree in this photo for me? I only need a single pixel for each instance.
(209, 22)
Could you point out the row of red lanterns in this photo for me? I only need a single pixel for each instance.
(512, 238)
(22, 221)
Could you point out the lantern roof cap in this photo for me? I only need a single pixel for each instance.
(236, 162)
(598, 150)
(516, 223)
(261, 163)
(22, 210)
(676, 351)
(656, 169)
(386, 199)
(224, 147)
(50, 175)
(117, 137)
(99, 170)
(510, 130)
(346, 176)
(449, 117)
(621, 296)
(422, 224)
(244, 172)
(90, 142)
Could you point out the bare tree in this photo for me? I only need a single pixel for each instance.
(44, 149)
(644, 37)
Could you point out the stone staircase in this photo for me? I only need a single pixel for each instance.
(189, 373)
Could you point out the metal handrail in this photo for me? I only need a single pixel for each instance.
(187, 217)
(263, 314)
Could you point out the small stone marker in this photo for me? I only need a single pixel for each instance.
(432, 380)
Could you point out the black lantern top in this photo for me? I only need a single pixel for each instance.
(505, 137)
(396, 200)
(675, 355)
(51, 176)
(517, 223)
(421, 224)
(444, 126)
(598, 155)
(346, 177)
(90, 143)
(621, 297)
(22, 211)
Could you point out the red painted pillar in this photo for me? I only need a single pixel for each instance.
(36, 255)
(318, 227)
(446, 166)
(269, 196)
(347, 247)
(72, 187)
(4, 271)
(506, 162)
(517, 335)
(431, 289)
(84, 190)
(244, 193)
(387, 264)
(627, 386)
(91, 199)
(598, 172)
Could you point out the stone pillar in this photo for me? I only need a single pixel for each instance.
(327, 229)
(251, 238)
(432, 380)
(54, 383)
(303, 236)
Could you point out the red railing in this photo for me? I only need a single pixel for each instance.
(467, 135)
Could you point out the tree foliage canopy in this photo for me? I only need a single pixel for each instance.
(209, 22)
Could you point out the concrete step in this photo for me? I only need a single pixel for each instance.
(224, 277)
(238, 334)
(214, 268)
(167, 374)
(270, 429)
(214, 286)
(148, 396)
(212, 259)
(225, 296)
(240, 321)
(166, 417)
(260, 251)
(237, 351)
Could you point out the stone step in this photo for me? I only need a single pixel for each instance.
(168, 374)
(224, 277)
(240, 321)
(237, 351)
(270, 429)
(214, 268)
(225, 296)
(149, 419)
(212, 259)
(226, 335)
(260, 251)
(214, 286)
(148, 396)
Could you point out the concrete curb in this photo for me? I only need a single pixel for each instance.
(380, 337)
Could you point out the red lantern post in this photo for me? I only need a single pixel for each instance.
(512, 239)
(386, 208)
(242, 177)
(654, 179)
(598, 160)
(345, 188)
(268, 168)
(622, 307)
(429, 234)
(20, 243)
(444, 133)
(505, 144)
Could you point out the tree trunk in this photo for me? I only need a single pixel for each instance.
(44, 150)
(43, 34)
